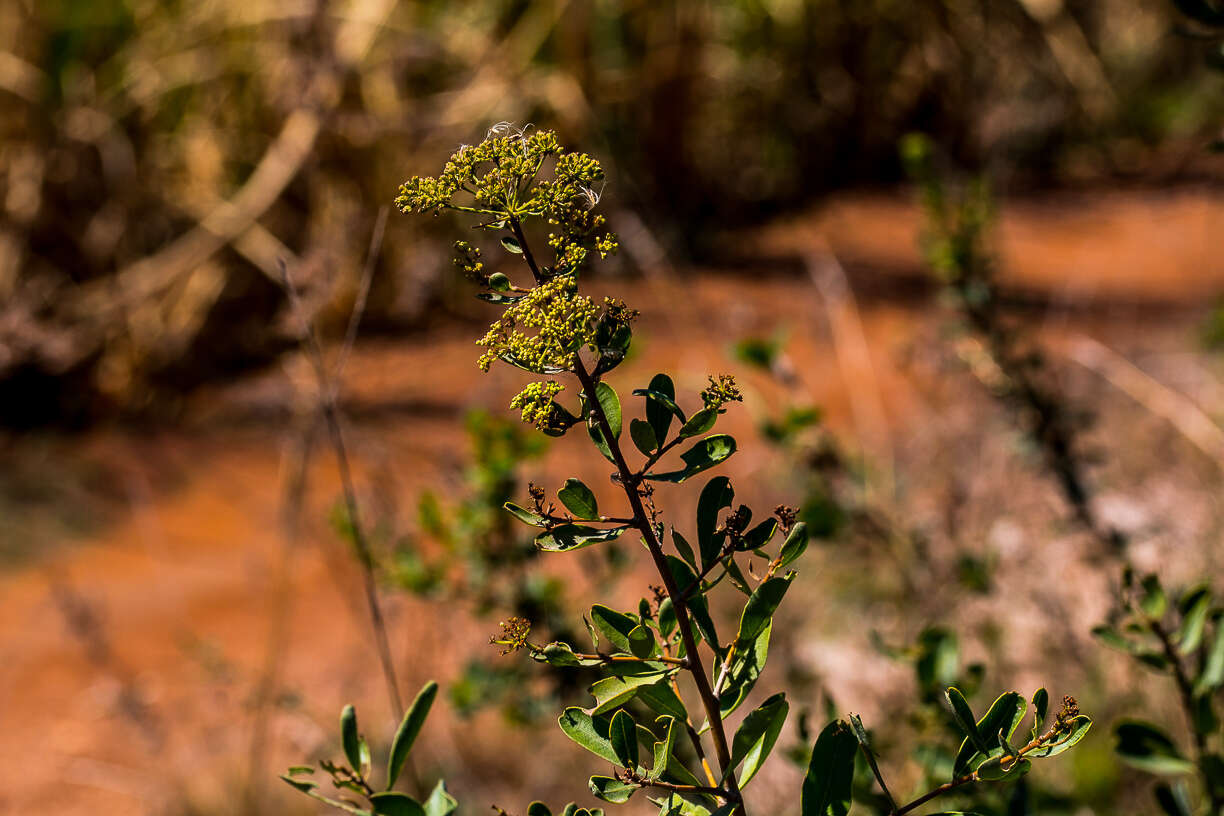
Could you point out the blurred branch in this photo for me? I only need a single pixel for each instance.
(1177, 409)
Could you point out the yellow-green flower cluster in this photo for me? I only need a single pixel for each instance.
(563, 320)
(536, 403)
(501, 179)
(497, 173)
(467, 258)
(721, 391)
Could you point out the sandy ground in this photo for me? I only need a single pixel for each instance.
(134, 647)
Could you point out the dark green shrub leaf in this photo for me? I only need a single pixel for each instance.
(684, 548)
(1003, 716)
(304, 785)
(715, 497)
(1173, 800)
(759, 611)
(699, 423)
(759, 535)
(711, 451)
(1154, 602)
(1212, 676)
(568, 537)
(1078, 730)
(826, 787)
(1194, 606)
(524, 515)
(663, 749)
(579, 499)
(660, 405)
(611, 692)
(1148, 748)
(408, 730)
(588, 731)
(662, 699)
(755, 737)
(613, 625)
(623, 734)
(641, 642)
(643, 436)
(1041, 704)
(394, 803)
(349, 738)
(612, 790)
(795, 545)
(538, 809)
(965, 718)
(511, 244)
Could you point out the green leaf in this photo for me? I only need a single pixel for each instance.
(611, 692)
(759, 611)
(699, 423)
(304, 785)
(755, 737)
(643, 436)
(591, 732)
(1195, 606)
(1003, 716)
(440, 801)
(1173, 800)
(1212, 676)
(759, 536)
(612, 790)
(1078, 729)
(795, 545)
(623, 734)
(349, 737)
(394, 803)
(1115, 640)
(745, 670)
(511, 244)
(826, 787)
(684, 548)
(716, 496)
(579, 499)
(641, 642)
(711, 451)
(524, 515)
(660, 405)
(610, 403)
(1146, 747)
(1154, 601)
(663, 749)
(567, 537)
(613, 625)
(661, 698)
(965, 718)
(1041, 704)
(408, 730)
(538, 809)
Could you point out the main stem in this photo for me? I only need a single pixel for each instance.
(641, 521)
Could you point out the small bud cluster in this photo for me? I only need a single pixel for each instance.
(564, 320)
(1068, 712)
(514, 634)
(536, 403)
(721, 391)
(786, 517)
(467, 259)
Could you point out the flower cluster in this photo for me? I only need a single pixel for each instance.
(514, 634)
(467, 259)
(563, 320)
(721, 391)
(536, 403)
(501, 175)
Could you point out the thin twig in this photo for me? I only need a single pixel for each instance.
(327, 399)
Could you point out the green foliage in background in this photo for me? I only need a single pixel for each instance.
(1180, 636)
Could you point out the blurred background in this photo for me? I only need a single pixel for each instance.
(180, 611)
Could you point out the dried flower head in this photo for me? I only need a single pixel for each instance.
(514, 634)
